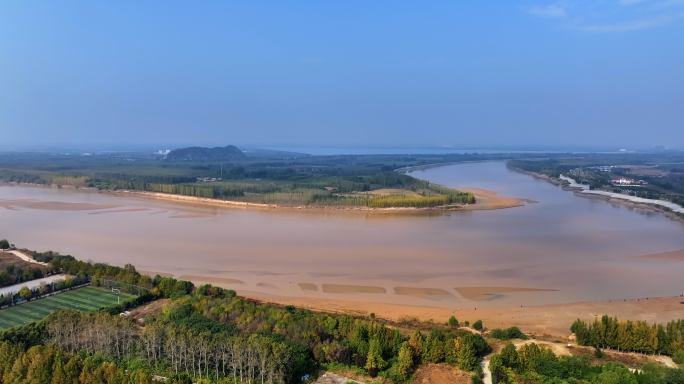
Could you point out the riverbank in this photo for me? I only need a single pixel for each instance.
(554, 320)
(669, 209)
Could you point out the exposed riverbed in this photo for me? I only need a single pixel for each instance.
(561, 249)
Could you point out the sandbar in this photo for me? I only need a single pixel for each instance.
(491, 293)
(308, 287)
(53, 205)
(339, 288)
(213, 280)
(411, 291)
(674, 256)
(120, 211)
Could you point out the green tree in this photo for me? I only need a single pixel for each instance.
(467, 357)
(678, 356)
(616, 373)
(453, 322)
(404, 366)
(374, 361)
(497, 369)
(4, 244)
(477, 325)
(509, 356)
(25, 293)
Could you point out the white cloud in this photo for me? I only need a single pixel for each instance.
(553, 10)
(632, 25)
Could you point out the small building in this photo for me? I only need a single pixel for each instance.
(622, 181)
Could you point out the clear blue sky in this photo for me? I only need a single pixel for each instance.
(342, 72)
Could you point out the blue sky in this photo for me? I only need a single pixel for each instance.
(494, 73)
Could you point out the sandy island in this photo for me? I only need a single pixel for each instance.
(486, 200)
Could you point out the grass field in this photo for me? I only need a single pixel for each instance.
(83, 299)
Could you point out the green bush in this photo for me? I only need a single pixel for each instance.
(678, 357)
(599, 353)
(507, 334)
(477, 325)
(453, 322)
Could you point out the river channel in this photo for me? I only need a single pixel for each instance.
(561, 249)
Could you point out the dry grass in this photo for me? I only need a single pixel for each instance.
(7, 259)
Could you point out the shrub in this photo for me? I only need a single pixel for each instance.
(599, 353)
(678, 357)
(477, 325)
(453, 322)
(507, 334)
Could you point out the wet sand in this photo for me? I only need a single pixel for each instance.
(675, 256)
(210, 280)
(492, 293)
(549, 319)
(17, 204)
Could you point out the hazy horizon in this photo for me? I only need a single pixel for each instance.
(539, 75)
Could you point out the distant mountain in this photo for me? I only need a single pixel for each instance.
(229, 152)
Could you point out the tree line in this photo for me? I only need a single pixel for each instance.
(534, 364)
(631, 336)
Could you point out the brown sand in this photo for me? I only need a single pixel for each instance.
(53, 205)
(120, 211)
(675, 256)
(212, 280)
(410, 291)
(189, 216)
(339, 288)
(308, 287)
(550, 319)
(153, 274)
(491, 293)
(491, 200)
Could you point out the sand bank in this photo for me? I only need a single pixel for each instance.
(411, 291)
(491, 293)
(211, 280)
(491, 200)
(340, 288)
(674, 256)
(52, 205)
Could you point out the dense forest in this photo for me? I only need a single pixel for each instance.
(534, 364)
(212, 335)
(631, 336)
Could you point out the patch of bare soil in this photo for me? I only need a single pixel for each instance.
(346, 375)
(440, 374)
(152, 309)
(631, 360)
(7, 259)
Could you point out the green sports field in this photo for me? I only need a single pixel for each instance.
(83, 299)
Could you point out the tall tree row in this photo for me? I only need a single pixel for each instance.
(631, 336)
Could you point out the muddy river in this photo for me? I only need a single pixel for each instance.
(561, 249)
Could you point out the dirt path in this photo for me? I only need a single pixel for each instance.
(26, 258)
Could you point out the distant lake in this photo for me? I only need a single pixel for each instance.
(583, 248)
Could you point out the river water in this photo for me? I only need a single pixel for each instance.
(582, 249)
